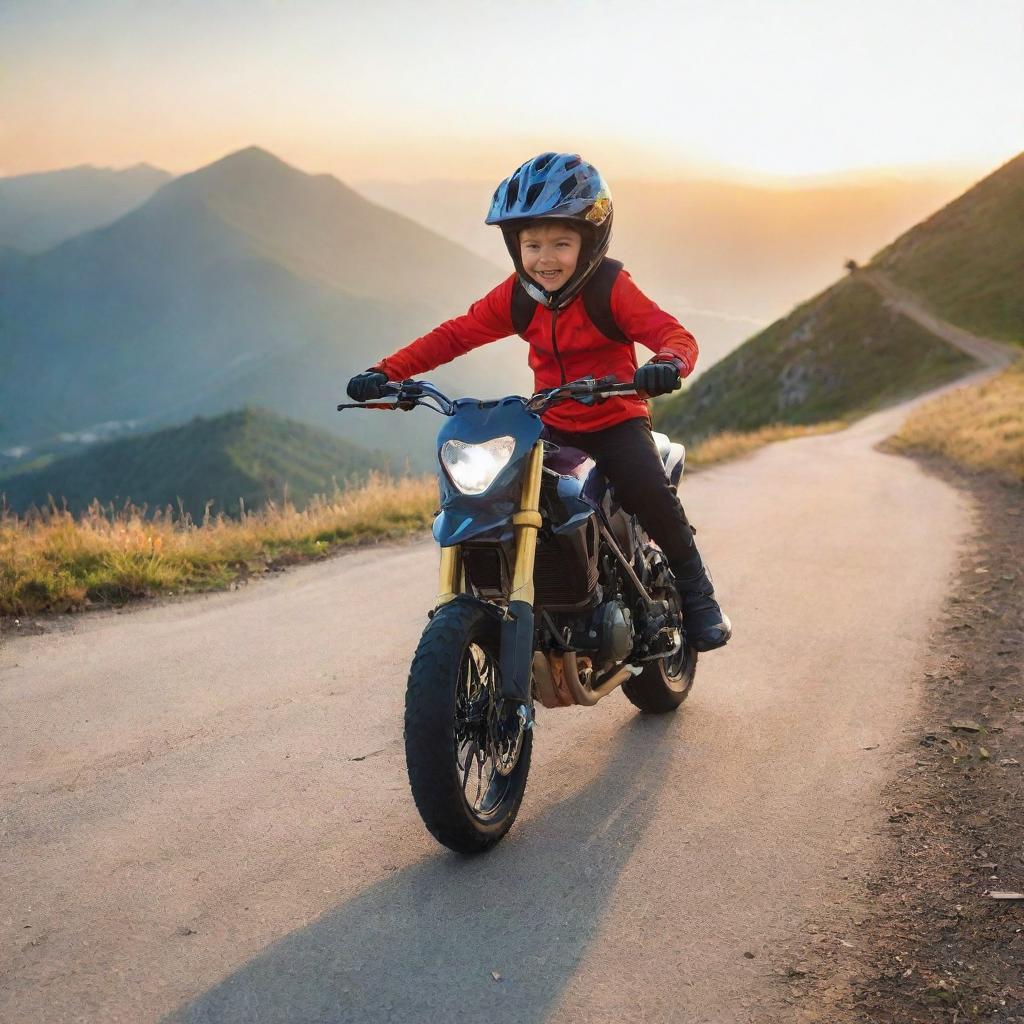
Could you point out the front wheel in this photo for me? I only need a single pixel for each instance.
(467, 751)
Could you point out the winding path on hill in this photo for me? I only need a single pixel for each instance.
(205, 816)
(991, 353)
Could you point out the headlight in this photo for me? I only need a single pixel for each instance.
(474, 467)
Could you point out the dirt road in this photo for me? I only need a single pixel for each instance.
(205, 815)
(994, 354)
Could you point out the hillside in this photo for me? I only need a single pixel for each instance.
(248, 454)
(38, 211)
(967, 260)
(246, 282)
(841, 354)
(847, 351)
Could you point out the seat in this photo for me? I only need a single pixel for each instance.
(673, 455)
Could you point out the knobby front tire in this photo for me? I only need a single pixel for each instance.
(467, 754)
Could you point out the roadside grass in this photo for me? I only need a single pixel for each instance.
(981, 427)
(733, 444)
(53, 561)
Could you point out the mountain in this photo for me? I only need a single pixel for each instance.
(248, 454)
(725, 258)
(245, 282)
(38, 211)
(846, 351)
(967, 260)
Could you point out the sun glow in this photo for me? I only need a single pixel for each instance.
(649, 90)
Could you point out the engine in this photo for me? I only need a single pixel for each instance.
(607, 634)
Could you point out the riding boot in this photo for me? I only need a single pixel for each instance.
(704, 622)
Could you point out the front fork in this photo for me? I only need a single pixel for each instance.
(516, 658)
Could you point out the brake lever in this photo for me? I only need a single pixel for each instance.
(368, 405)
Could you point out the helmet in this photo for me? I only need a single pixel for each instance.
(561, 186)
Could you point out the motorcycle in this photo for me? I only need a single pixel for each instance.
(549, 591)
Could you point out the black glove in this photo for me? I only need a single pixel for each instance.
(365, 387)
(657, 378)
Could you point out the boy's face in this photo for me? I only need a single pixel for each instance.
(549, 253)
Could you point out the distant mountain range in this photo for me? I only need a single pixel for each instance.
(246, 281)
(38, 211)
(249, 282)
(249, 455)
(846, 351)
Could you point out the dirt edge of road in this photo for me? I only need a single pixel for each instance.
(926, 941)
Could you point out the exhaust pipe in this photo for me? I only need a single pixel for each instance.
(564, 688)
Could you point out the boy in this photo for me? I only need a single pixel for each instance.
(555, 212)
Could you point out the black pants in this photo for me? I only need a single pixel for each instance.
(627, 455)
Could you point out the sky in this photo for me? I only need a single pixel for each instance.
(761, 90)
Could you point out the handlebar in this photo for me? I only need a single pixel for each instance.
(586, 391)
(408, 394)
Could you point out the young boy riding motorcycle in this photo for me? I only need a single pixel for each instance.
(555, 212)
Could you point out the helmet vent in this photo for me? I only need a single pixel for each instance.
(574, 162)
(567, 188)
(513, 192)
(543, 160)
(533, 192)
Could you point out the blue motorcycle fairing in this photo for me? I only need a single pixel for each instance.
(467, 516)
(582, 488)
(575, 485)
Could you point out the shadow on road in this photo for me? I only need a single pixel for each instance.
(421, 946)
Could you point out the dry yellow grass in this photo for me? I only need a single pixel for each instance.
(981, 426)
(733, 444)
(51, 561)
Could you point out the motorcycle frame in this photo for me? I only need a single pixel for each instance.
(556, 674)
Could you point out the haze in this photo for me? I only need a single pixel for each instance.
(460, 89)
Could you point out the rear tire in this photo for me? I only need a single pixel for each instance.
(468, 757)
(664, 684)
(663, 687)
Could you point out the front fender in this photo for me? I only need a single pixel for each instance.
(515, 650)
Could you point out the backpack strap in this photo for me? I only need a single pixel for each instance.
(523, 307)
(597, 301)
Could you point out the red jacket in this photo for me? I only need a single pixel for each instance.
(563, 347)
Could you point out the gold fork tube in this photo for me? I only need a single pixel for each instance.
(527, 522)
(448, 584)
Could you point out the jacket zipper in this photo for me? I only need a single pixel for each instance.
(554, 344)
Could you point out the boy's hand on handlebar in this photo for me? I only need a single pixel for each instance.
(365, 387)
(657, 378)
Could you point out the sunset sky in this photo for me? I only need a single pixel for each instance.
(459, 89)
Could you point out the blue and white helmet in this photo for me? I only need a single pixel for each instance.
(561, 186)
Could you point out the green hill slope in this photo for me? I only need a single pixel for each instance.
(841, 354)
(845, 351)
(967, 261)
(248, 454)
